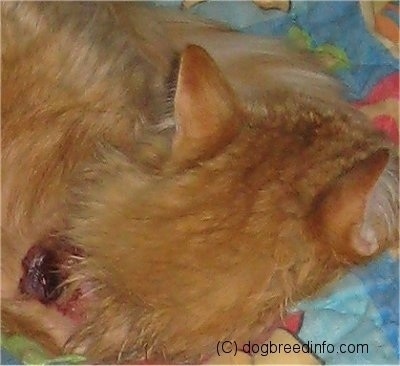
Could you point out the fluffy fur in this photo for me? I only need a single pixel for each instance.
(206, 191)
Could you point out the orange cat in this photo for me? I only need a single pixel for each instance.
(168, 183)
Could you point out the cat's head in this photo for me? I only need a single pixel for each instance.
(263, 200)
(288, 156)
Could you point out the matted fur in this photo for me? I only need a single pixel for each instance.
(206, 197)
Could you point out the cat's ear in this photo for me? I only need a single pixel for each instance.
(354, 215)
(205, 107)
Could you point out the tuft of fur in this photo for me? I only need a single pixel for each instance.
(206, 194)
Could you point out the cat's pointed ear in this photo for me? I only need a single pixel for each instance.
(352, 215)
(205, 107)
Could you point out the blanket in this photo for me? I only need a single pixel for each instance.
(357, 319)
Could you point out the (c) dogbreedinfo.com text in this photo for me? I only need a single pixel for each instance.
(264, 349)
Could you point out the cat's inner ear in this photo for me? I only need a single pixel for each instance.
(357, 213)
(205, 108)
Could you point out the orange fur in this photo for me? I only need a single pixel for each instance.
(193, 231)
